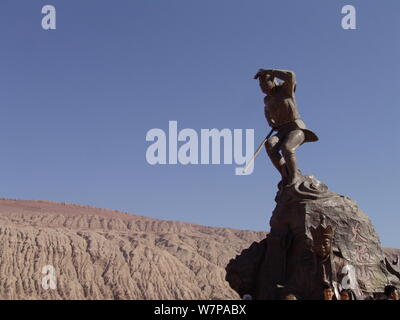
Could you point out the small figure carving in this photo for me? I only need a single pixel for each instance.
(331, 268)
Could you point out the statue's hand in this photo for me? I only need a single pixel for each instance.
(259, 73)
(262, 73)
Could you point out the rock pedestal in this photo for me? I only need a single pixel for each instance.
(316, 237)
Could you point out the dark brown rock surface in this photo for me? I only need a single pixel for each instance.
(287, 259)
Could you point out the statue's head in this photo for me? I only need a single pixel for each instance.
(322, 239)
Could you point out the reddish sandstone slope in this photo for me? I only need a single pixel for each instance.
(106, 254)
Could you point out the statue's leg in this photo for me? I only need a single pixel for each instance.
(292, 141)
(272, 146)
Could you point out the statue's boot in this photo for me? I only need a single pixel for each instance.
(291, 167)
(279, 163)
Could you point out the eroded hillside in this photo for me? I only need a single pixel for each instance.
(106, 254)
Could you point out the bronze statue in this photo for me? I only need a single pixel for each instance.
(302, 254)
(283, 117)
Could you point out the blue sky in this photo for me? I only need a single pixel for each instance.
(77, 102)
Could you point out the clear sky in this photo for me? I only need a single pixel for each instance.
(77, 102)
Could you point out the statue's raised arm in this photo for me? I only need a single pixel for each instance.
(289, 80)
(287, 76)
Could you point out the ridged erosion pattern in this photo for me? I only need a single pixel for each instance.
(107, 254)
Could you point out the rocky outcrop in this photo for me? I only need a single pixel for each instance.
(316, 237)
(106, 254)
